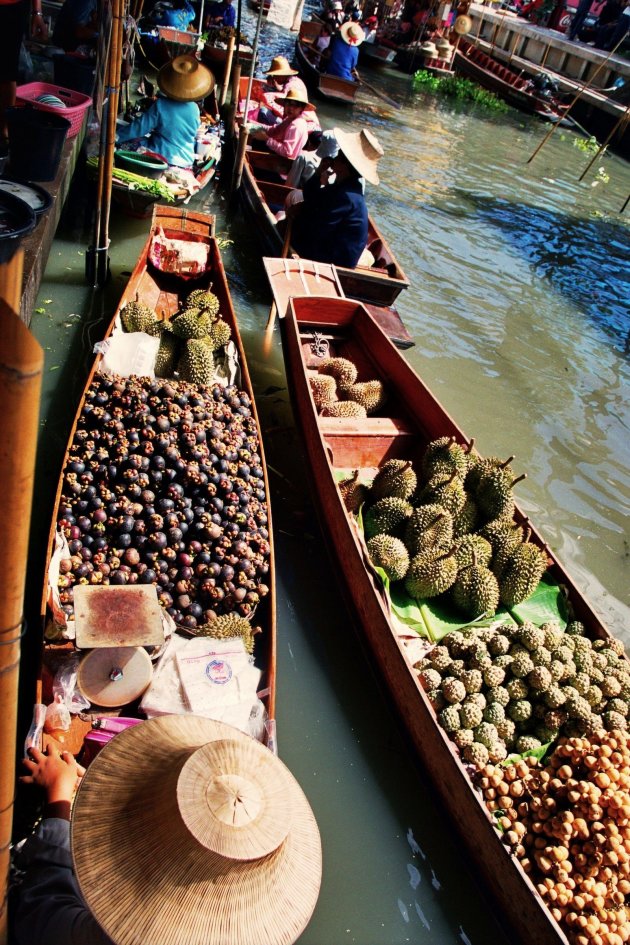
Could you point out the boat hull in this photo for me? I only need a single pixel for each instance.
(335, 444)
(331, 88)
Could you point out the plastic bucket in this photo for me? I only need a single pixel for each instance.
(17, 220)
(36, 140)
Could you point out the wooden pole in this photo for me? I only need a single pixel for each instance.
(240, 157)
(228, 69)
(236, 84)
(21, 367)
(379, 94)
(577, 96)
(624, 119)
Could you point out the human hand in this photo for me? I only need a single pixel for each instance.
(39, 29)
(57, 773)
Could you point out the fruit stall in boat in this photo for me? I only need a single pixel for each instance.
(512, 693)
(164, 493)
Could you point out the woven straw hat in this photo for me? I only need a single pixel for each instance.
(185, 79)
(352, 33)
(362, 150)
(186, 830)
(429, 49)
(462, 25)
(296, 97)
(280, 66)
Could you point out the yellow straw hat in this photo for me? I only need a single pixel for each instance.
(186, 830)
(296, 97)
(462, 25)
(280, 66)
(185, 79)
(352, 33)
(362, 150)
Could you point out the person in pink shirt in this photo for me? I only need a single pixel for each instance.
(289, 137)
(281, 79)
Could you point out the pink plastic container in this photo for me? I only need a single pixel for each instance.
(76, 103)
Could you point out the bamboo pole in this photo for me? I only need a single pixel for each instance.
(577, 96)
(21, 367)
(624, 119)
(228, 69)
(240, 157)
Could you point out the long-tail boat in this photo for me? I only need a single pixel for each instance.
(331, 88)
(316, 329)
(162, 285)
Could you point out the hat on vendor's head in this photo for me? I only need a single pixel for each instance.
(185, 79)
(280, 66)
(337, 5)
(296, 97)
(186, 829)
(351, 33)
(372, 21)
(362, 150)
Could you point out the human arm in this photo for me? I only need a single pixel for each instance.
(143, 125)
(290, 141)
(38, 28)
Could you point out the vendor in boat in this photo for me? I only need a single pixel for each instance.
(344, 52)
(221, 13)
(169, 126)
(331, 224)
(370, 27)
(151, 813)
(289, 137)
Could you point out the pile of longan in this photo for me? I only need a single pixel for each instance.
(569, 825)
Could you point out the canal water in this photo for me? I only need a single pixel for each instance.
(519, 309)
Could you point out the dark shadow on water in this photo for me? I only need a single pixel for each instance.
(587, 260)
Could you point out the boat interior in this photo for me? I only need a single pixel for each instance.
(488, 64)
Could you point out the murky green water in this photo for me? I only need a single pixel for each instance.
(519, 309)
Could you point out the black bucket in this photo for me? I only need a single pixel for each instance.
(36, 140)
(17, 220)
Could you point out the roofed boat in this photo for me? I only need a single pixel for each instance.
(315, 329)
(194, 546)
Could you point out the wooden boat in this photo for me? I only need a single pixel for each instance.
(507, 83)
(255, 6)
(214, 54)
(315, 328)
(164, 291)
(375, 55)
(379, 285)
(331, 88)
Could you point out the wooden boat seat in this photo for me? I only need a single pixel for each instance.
(366, 442)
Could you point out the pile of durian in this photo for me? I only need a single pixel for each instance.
(188, 341)
(514, 688)
(447, 528)
(337, 392)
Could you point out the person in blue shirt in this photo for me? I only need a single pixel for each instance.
(331, 224)
(221, 14)
(171, 123)
(344, 51)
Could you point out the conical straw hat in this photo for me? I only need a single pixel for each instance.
(296, 97)
(185, 79)
(352, 33)
(280, 66)
(168, 829)
(363, 151)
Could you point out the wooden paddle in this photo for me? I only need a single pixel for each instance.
(377, 92)
(273, 311)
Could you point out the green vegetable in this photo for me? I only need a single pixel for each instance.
(136, 181)
(454, 86)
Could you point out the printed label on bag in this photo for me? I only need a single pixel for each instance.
(219, 672)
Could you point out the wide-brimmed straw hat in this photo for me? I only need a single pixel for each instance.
(296, 97)
(352, 33)
(186, 830)
(185, 79)
(280, 66)
(462, 25)
(362, 150)
(429, 49)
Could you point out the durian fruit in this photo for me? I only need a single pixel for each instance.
(219, 334)
(390, 554)
(479, 466)
(192, 323)
(204, 299)
(429, 526)
(370, 394)
(494, 493)
(323, 388)
(229, 625)
(395, 477)
(465, 521)
(430, 573)
(521, 574)
(343, 370)
(156, 328)
(473, 547)
(447, 491)
(476, 591)
(196, 363)
(342, 408)
(353, 492)
(443, 457)
(167, 355)
(136, 316)
(386, 515)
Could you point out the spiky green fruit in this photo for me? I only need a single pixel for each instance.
(498, 694)
(449, 718)
(430, 573)
(343, 370)
(540, 678)
(196, 364)
(447, 491)
(475, 591)
(343, 408)
(614, 721)
(444, 456)
(526, 743)
(386, 515)
(486, 734)
(520, 711)
(493, 494)
(370, 394)
(429, 526)
(192, 324)
(440, 658)
(323, 388)
(471, 715)
(390, 554)
(463, 737)
(167, 355)
(205, 300)
(395, 478)
(219, 334)
(229, 625)
(353, 492)
(136, 316)
(499, 644)
(521, 574)
(453, 689)
(471, 549)
(476, 754)
(465, 521)
(429, 679)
